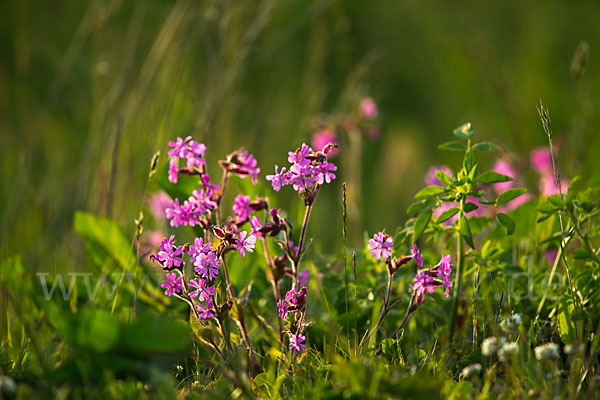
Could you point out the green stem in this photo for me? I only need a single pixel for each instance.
(460, 244)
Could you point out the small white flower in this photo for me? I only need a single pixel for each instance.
(471, 370)
(548, 351)
(490, 346)
(508, 350)
(511, 323)
(574, 348)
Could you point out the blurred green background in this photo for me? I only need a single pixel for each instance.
(255, 74)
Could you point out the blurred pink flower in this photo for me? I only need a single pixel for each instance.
(548, 186)
(159, 202)
(540, 160)
(368, 108)
(445, 206)
(322, 138)
(550, 256)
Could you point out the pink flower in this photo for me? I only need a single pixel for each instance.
(245, 243)
(173, 170)
(203, 292)
(416, 255)
(296, 342)
(368, 108)
(169, 256)
(171, 284)
(444, 271)
(550, 256)
(207, 265)
(303, 277)
(255, 224)
(381, 244)
(325, 171)
(322, 138)
(279, 179)
(423, 284)
(197, 248)
(541, 160)
(548, 185)
(158, 204)
(206, 311)
(241, 208)
(282, 308)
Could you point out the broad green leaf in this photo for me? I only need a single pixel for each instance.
(94, 329)
(493, 177)
(468, 160)
(420, 224)
(443, 178)
(157, 334)
(509, 195)
(464, 132)
(446, 215)
(429, 192)
(106, 234)
(507, 222)
(465, 232)
(485, 146)
(453, 146)
(470, 207)
(420, 205)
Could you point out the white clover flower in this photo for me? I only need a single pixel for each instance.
(548, 351)
(490, 346)
(574, 349)
(471, 370)
(511, 323)
(508, 350)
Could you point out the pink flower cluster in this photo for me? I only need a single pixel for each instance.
(426, 280)
(192, 209)
(294, 300)
(307, 170)
(243, 164)
(187, 149)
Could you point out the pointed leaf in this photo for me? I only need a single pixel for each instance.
(420, 224)
(453, 146)
(446, 215)
(509, 195)
(429, 192)
(507, 222)
(493, 177)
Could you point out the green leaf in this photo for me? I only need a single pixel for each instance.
(509, 195)
(464, 132)
(97, 330)
(443, 177)
(470, 207)
(493, 177)
(453, 146)
(507, 222)
(465, 232)
(429, 192)
(581, 254)
(388, 346)
(106, 234)
(157, 334)
(420, 206)
(468, 160)
(420, 224)
(485, 146)
(446, 215)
